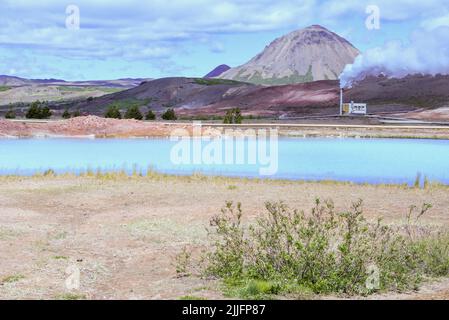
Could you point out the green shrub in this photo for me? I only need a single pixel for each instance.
(38, 110)
(45, 112)
(150, 115)
(233, 116)
(12, 278)
(113, 111)
(215, 82)
(417, 183)
(288, 251)
(133, 112)
(10, 114)
(66, 114)
(76, 114)
(169, 114)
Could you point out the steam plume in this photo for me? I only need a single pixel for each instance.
(426, 53)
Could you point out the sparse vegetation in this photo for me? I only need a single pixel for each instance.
(193, 298)
(113, 112)
(133, 112)
(215, 82)
(291, 252)
(76, 113)
(38, 110)
(233, 116)
(60, 258)
(4, 88)
(182, 262)
(71, 296)
(12, 278)
(10, 114)
(66, 114)
(169, 115)
(150, 115)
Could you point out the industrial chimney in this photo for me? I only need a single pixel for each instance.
(341, 101)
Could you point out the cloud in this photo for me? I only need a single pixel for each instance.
(427, 52)
(436, 22)
(398, 10)
(111, 23)
(152, 28)
(157, 31)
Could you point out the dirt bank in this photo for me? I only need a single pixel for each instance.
(87, 126)
(108, 128)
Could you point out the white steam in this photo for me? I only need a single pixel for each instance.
(427, 53)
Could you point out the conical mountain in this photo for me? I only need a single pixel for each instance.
(305, 55)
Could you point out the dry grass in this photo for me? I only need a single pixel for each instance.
(124, 233)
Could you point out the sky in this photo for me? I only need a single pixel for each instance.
(100, 39)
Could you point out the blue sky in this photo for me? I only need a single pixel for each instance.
(159, 38)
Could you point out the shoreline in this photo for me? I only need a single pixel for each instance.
(122, 174)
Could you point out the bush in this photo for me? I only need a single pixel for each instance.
(150, 115)
(38, 110)
(10, 114)
(66, 114)
(45, 112)
(233, 116)
(287, 251)
(169, 114)
(133, 112)
(113, 111)
(76, 114)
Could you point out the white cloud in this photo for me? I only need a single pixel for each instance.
(433, 23)
(106, 25)
(155, 30)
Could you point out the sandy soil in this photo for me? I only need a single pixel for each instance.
(124, 234)
(100, 127)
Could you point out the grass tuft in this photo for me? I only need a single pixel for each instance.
(12, 278)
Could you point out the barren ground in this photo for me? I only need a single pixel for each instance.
(100, 127)
(124, 233)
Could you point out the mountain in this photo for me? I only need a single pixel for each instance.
(178, 92)
(12, 81)
(206, 97)
(119, 83)
(305, 55)
(218, 71)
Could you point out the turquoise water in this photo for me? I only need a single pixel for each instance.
(356, 160)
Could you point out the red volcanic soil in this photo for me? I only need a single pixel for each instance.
(418, 91)
(314, 98)
(203, 97)
(88, 126)
(191, 96)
